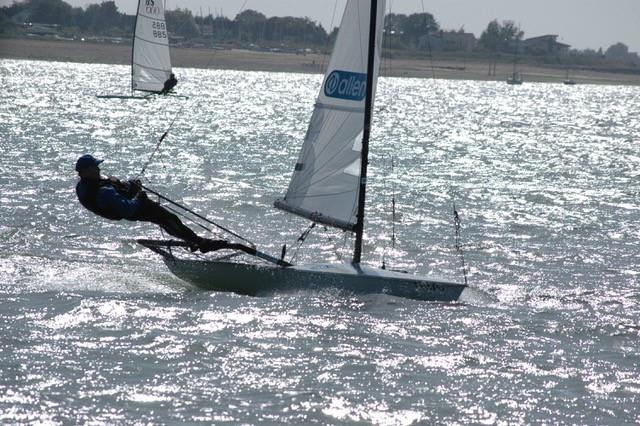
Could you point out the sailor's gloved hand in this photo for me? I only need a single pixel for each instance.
(142, 196)
(135, 186)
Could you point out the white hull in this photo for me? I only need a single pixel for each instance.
(259, 279)
(148, 96)
(122, 97)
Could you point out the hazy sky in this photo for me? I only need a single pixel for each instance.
(580, 23)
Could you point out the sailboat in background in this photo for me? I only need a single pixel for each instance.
(150, 58)
(568, 80)
(515, 77)
(328, 184)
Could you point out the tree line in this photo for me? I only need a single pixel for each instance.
(96, 18)
(403, 32)
(106, 20)
(248, 26)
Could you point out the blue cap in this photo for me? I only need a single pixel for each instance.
(87, 161)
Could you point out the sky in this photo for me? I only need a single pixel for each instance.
(579, 23)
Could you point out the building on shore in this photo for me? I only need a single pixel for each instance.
(457, 41)
(546, 45)
(42, 30)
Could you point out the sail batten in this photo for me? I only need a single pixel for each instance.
(142, 15)
(150, 42)
(326, 179)
(339, 108)
(150, 62)
(149, 68)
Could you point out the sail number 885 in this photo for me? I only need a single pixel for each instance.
(159, 29)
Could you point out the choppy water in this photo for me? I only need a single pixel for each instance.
(94, 329)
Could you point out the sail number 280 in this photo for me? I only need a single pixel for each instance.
(159, 29)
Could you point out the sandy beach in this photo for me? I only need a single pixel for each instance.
(236, 59)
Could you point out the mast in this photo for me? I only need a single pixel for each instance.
(515, 59)
(364, 159)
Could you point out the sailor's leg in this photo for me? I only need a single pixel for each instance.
(155, 213)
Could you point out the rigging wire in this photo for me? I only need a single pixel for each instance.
(393, 212)
(301, 240)
(338, 250)
(433, 70)
(176, 204)
(386, 245)
(393, 205)
(179, 213)
(158, 144)
(388, 62)
(342, 249)
(323, 62)
(457, 224)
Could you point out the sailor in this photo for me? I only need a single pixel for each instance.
(117, 200)
(169, 84)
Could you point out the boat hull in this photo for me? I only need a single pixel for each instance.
(141, 98)
(258, 279)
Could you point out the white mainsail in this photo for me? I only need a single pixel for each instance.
(151, 63)
(325, 183)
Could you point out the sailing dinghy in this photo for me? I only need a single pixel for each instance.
(150, 59)
(328, 184)
(515, 77)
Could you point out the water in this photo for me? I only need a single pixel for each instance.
(94, 329)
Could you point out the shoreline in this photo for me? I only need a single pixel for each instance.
(245, 60)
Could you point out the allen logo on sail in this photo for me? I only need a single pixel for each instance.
(351, 86)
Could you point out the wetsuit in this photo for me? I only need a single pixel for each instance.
(169, 85)
(117, 200)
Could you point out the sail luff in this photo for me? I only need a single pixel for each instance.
(133, 47)
(364, 159)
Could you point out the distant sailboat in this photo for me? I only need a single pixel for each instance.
(515, 77)
(150, 59)
(569, 81)
(328, 184)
